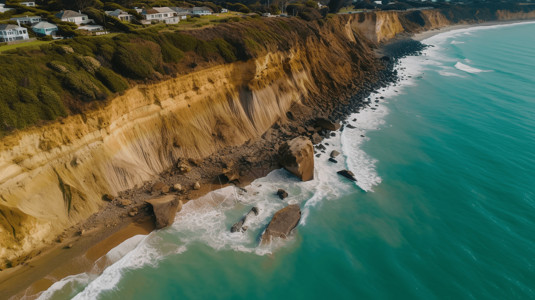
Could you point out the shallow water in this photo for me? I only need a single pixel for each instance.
(444, 205)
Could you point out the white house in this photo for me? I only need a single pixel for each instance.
(45, 28)
(201, 11)
(4, 9)
(224, 10)
(160, 14)
(120, 14)
(27, 20)
(73, 17)
(10, 33)
(28, 3)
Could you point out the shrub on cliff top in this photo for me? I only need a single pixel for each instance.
(111, 80)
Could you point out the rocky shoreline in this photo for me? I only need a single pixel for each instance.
(190, 179)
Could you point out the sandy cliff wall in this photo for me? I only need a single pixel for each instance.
(54, 176)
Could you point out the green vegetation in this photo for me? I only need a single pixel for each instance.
(23, 45)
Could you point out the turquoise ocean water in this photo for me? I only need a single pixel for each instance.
(444, 206)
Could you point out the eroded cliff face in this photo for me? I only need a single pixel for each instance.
(53, 177)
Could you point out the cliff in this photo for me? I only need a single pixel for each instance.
(53, 177)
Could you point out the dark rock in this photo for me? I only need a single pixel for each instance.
(239, 225)
(327, 124)
(282, 194)
(347, 174)
(108, 197)
(297, 156)
(255, 210)
(333, 160)
(350, 126)
(282, 223)
(316, 138)
(165, 209)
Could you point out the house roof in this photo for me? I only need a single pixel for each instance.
(69, 14)
(44, 25)
(116, 12)
(9, 27)
(150, 11)
(163, 9)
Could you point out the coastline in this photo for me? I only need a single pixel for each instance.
(57, 262)
(421, 36)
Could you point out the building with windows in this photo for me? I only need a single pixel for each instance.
(45, 28)
(11, 33)
(73, 17)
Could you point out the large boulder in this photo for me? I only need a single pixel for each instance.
(165, 209)
(327, 124)
(297, 156)
(282, 223)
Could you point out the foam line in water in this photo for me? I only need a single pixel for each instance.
(459, 65)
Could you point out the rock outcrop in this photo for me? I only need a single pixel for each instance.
(282, 194)
(297, 156)
(282, 223)
(165, 209)
(347, 174)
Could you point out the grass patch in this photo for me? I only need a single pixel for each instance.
(34, 44)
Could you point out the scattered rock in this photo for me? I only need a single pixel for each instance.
(239, 225)
(255, 210)
(297, 156)
(125, 202)
(316, 138)
(197, 186)
(183, 167)
(327, 124)
(177, 187)
(69, 246)
(334, 153)
(333, 160)
(282, 223)
(282, 194)
(81, 232)
(133, 213)
(350, 126)
(165, 209)
(230, 174)
(347, 174)
(160, 188)
(108, 197)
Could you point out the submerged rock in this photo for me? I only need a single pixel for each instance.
(297, 156)
(165, 209)
(282, 223)
(347, 174)
(239, 225)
